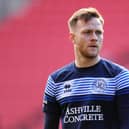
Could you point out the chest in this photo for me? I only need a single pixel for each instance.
(85, 87)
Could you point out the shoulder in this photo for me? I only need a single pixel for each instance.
(62, 73)
(113, 67)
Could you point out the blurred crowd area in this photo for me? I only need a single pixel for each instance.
(11, 7)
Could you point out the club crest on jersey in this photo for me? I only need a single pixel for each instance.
(67, 87)
(99, 86)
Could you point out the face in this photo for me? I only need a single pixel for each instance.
(87, 38)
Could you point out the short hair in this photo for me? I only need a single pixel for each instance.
(85, 14)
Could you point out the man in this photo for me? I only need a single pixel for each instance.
(91, 92)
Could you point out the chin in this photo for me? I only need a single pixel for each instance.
(91, 56)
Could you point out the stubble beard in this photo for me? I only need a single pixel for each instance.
(89, 55)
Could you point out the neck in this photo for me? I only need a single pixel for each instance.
(86, 62)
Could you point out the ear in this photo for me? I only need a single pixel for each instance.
(72, 37)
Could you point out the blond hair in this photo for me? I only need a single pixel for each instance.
(85, 14)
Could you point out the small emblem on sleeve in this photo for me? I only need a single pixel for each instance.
(44, 100)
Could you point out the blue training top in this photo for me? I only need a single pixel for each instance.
(95, 97)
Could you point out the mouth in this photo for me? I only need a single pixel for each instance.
(92, 46)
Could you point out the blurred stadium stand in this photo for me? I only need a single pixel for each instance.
(36, 43)
(11, 7)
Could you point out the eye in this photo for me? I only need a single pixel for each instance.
(98, 32)
(88, 32)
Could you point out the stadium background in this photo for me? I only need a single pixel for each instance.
(34, 42)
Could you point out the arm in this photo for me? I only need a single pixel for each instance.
(51, 121)
(51, 107)
(123, 100)
(123, 108)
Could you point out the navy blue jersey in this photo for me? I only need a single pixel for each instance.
(95, 97)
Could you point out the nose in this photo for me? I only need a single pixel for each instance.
(94, 36)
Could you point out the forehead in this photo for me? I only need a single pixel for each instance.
(93, 24)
